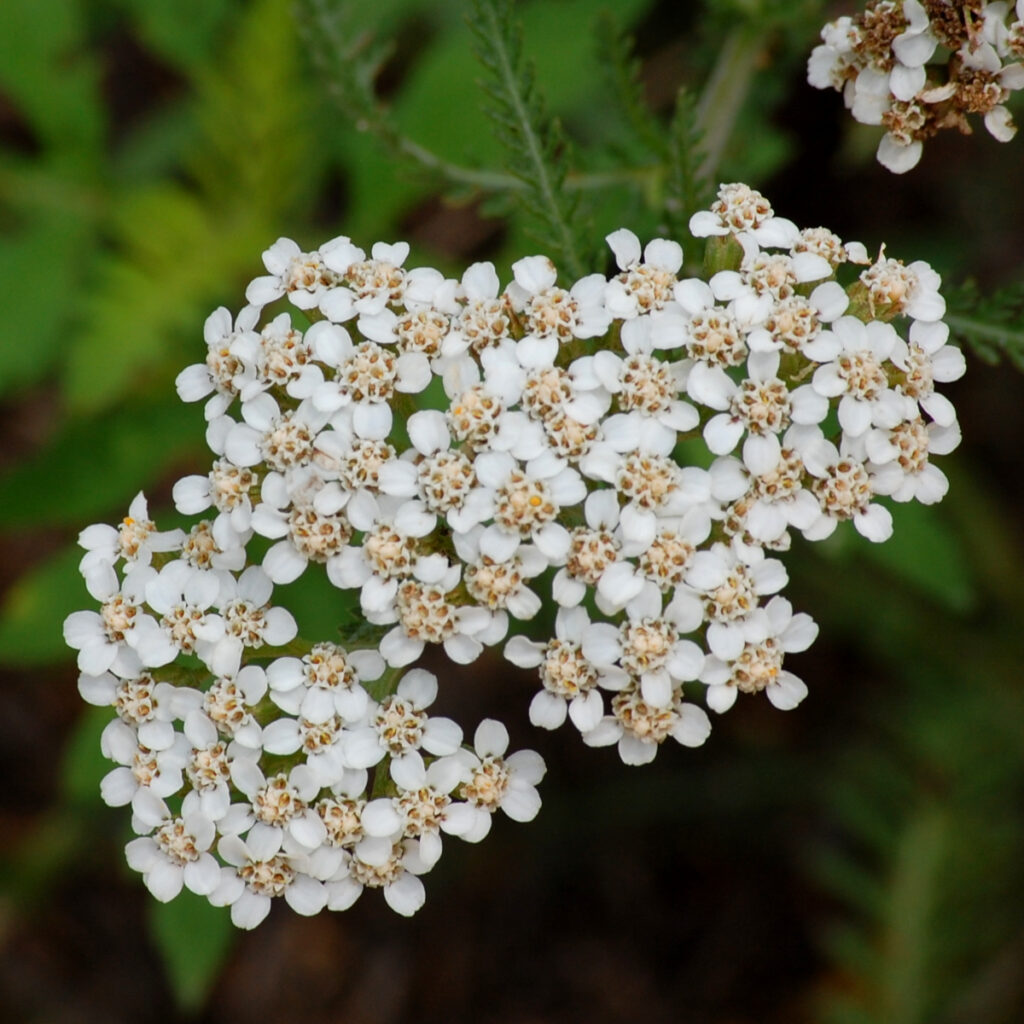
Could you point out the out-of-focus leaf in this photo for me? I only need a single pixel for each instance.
(194, 940)
(41, 267)
(176, 249)
(183, 32)
(258, 153)
(96, 465)
(444, 80)
(83, 765)
(173, 261)
(48, 74)
(446, 77)
(926, 553)
(35, 608)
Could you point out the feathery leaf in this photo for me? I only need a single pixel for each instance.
(535, 146)
(991, 326)
(688, 189)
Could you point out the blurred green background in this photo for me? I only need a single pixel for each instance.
(857, 860)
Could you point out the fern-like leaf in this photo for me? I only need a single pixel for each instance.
(347, 59)
(536, 148)
(615, 52)
(176, 245)
(991, 326)
(688, 188)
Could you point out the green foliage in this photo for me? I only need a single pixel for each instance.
(49, 198)
(86, 471)
(194, 940)
(182, 32)
(991, 326)
(688, 188)
(83, 765)
(51, 80)
(623, 71)
(175, 247)
(535, 146)
(926, 553)
(924, 849)
(348, 60)
(923, 913)
(35, 607)
(43, 258)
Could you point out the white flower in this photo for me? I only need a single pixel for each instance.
(226, 370)
(149, 706)
(553, 315)
(644, 384)
(306, 512)
(159, 771)
(925, 360)
(399, 725)
(257, 874)
(528, 499)
(858, 374)
(427, 613)
(731, 591)
(135, 540)
(495, 781)
(249, 621)
(912, 290)
(176, 854)
(280, 439)
(380, 863)
(372, 283)
(776, 498)
(278, 807)
(497, 570)
(639, 728)
(225, 709)
(484, 319)
(443, 479)
(227, 488)
(742, 210)
(831, 62)
(844, 489)
(773, 632)
(900, 464)
(424, 800)
(208, 768)
(598, 558)
(121, 634)
(761, 406)
(643, 286)
(912, 48)
(324, 683)
(577, 660)
(652, 644)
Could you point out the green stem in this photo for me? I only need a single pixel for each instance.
(497, 181)
(723, 96)
(492, 181)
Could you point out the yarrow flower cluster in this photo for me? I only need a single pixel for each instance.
(919, 66)
(457, 454)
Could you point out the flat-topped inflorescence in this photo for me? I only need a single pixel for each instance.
(457, 455)
(917, 67)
